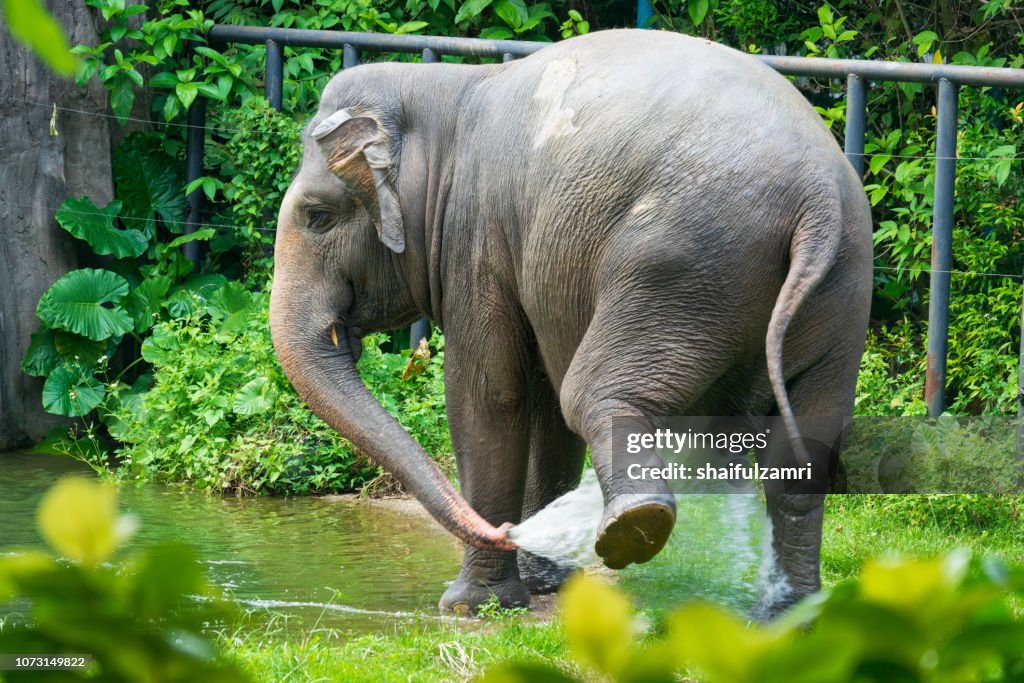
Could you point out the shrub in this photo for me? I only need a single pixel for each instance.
(222, 416)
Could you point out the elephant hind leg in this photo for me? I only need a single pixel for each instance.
(615, 383)
(555, 466)
(822, 396)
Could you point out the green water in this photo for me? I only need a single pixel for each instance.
(340, 564)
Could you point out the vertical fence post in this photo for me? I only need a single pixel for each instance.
(349, 57)
(942, 248)
(507, 57)
(195, 135)
(429, 56)
(856, 110)
(273, 82)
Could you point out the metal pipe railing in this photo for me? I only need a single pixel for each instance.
(856, 114)
(273, 81)
(195, 137)
(373, 42)
(870, 70)
(857, 73)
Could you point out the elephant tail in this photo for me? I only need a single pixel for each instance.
(812, 253)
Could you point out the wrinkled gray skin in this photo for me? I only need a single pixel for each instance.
(623, 224)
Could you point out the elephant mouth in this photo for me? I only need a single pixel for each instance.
(352, 337)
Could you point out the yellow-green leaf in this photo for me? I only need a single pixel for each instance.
(598, 623)
(22, 564)
(719, 643)
(915, 588)
(78, 518)
(30, 23)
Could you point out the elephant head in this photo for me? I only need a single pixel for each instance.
(338, 274)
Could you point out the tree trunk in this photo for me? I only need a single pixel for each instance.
(38, 171)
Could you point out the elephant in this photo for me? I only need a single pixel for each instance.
(625, 224)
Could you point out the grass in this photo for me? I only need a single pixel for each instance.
(697, 562)
(420, 652)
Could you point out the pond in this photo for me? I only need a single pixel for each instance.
(334, 562)
(361, 566)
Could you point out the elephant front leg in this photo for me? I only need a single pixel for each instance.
(489, 417)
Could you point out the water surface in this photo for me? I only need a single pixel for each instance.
(335, 562)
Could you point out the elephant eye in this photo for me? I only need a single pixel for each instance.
(319, 220)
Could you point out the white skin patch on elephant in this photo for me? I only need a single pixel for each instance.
(554, 118)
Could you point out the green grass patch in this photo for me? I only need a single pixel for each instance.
(422, 651)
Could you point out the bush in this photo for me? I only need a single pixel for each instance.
(222, 416)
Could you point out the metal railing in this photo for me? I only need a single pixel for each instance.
(858, 74)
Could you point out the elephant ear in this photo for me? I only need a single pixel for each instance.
(356, 150)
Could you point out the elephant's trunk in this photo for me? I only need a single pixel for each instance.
(317, 356)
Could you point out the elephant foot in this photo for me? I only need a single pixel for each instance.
(541, 575)
(465, 595)
(635, 528)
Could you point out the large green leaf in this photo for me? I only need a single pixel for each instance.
(255, 398)
(197, 236)
(231, 304)
(144, 302)
(122, 96)
(30, 23)
(191, 295)
(42, 356)
(86, 221)
(75, 347)
(72, 391)
(87, 302)
(161, 347)
(149, 182)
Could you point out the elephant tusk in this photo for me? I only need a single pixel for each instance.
(334, 335)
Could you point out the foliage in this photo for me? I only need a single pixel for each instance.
(947, 619)
(987, 236)
(139, 620)
(159, 48)
(221, 415)
(29, 22)
(89, 313)
(256, 163)
(135, 56)
(575, 25)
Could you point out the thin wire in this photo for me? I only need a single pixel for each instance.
(136, 119)
(223, 129)
(951, 272)
(234, 225)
